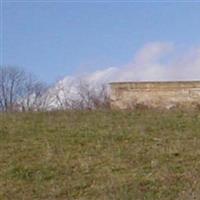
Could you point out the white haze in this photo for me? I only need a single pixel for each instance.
(156, 61)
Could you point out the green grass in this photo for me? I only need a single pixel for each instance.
(104, 155)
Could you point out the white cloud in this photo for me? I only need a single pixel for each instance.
(154, 62)
(187, 66)
(161, 62)
(157, 61)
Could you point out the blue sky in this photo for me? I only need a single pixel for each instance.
(65, 38)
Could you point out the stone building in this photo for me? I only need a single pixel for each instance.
(125, 95)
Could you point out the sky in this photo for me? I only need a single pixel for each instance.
(133, 40)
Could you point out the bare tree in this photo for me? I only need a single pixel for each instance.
(92, 96)
(11, 87)
(63, 96)
(35, 95)
(80, 94)
(20, 90)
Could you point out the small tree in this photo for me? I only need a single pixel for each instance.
(20, 90)
(92, 96)
(35, 95)
(12, 81)
(80, 94)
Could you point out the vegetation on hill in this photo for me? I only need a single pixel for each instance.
(22, 91)
(105, 155)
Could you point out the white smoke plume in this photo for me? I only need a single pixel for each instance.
(156, 61)
(160, 62)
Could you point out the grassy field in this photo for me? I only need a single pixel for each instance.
(104, 155)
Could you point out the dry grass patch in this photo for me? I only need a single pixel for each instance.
(105, 155)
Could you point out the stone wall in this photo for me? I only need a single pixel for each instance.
(125, 95)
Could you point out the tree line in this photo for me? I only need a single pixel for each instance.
(22, 91)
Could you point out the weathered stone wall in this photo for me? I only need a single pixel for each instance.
(127, 95)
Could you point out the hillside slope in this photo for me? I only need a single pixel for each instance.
(100, 155)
